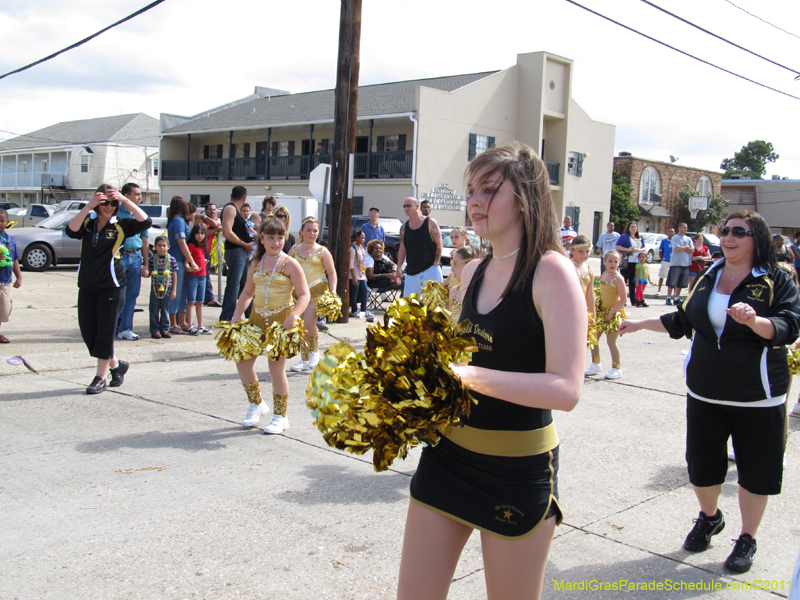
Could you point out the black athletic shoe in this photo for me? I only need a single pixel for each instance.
(118, 373)
(741, 559)
(704, 527)
(98, 385)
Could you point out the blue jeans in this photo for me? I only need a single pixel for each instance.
(359, 293)
(133, 273)
(236, 262)
(178, 305)
(195, 287)
(413, 283)
(209, 297)
(159, 313)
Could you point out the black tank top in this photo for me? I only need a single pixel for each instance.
(510, 337)
(239, 228)
(420, 249)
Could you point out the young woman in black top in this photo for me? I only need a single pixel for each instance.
(101, 276)
(528, 316)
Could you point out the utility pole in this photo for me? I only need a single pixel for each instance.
(344, 144)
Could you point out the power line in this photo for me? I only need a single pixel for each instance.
(719, 37)
(83, 41)
(762, 20)
(705, 62)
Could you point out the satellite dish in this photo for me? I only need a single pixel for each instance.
(673, 159)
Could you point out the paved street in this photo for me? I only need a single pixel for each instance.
(234, 513)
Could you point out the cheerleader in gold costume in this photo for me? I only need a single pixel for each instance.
(459, 238)
(316, 262)
(460, 257)
(272, 279)
(579, 253)
(612, 299)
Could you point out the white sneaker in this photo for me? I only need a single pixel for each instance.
(300, 366)
(658, 294)
(313, 359)
(355, 315)
(369, 314)
(204, 331)
(254, 414)
(127, 335)
(279, 424)
(614, 374)
(593, 369)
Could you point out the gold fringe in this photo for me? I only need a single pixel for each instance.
(253, 391)
(317, 288)
(596, 359)
(305, 350)
(616, 365)
(313, 343)
(280, 403)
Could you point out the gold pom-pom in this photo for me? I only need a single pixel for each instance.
(591, 337)
(435, 294)
(793, 358)
(283, 343)
(603, 326)
(399, 392)
(239, 341)
(329, 306)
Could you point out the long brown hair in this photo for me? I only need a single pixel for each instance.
(518, 164)
(269, 226)
(104, 189)
(764, 255)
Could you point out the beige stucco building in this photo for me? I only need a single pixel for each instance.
(70, 160)
(414, 138)
(777, 200)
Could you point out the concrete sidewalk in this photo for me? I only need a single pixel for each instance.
(238, 514)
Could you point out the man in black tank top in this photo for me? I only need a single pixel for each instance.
(420, 247)
(238, 245)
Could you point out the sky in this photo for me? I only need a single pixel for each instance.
(186, 56)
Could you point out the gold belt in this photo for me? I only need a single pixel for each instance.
(504, 443)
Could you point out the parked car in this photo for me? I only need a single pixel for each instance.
(157, 213)
(30, 215)
(391, 228)
(8, 205)
(69, 205)
(652, 242)
(713, 243)
(47, 245)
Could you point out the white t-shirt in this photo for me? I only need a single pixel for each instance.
(567, 235)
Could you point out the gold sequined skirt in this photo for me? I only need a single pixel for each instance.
(317, 288)
(267, 318)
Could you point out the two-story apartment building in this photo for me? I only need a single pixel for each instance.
(71, 159)
(414, 138)
(776, 199)
(656, 186)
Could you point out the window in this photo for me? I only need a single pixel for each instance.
(649, 184)
(44, 165)
(575, 164)
(39, 211)
(283, 148)
(704, 187)
(479, 143)
(84, 163)
(358, 205)
(23, 166)
(214, 151)
(154, 166)
(392, 143)
(240, 150)
(199, 199)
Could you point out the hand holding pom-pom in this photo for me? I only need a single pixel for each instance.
(239, 341)
(329, 306)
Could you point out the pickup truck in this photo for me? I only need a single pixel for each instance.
(30, 215)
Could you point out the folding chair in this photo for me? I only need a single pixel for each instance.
(376, 297)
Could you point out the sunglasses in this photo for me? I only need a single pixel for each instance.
(407, 205)
(280, 216)
(737, 232)
(114, 203)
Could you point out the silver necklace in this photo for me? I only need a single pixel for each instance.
(510, 254)
(261, 275)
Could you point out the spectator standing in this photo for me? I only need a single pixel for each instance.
(282, 213)
(178, 234)
(629, 245)
(135, 256)
(7, 242)
(162, 270)
(372, 230)
(567, 234)
(699, 255)
(606, 243)
(420, 247)
(238, 245)
(678, 277)
(267, 206)
(358, 276)
(665, 254)
(425, 208)
(196, 281)
(213, 226)
(782, 253)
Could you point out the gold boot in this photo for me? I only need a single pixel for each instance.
(280, 422)
(257, 406)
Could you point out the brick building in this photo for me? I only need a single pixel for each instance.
(656, 186)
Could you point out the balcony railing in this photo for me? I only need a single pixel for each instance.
(54, 180)
(374, 165)
(552, 170)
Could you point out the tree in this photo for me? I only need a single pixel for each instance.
(751, 161)
(622, 211)
(717, 209)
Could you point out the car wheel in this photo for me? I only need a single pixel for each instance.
(650, 256)
(392, 254)
(37, 257)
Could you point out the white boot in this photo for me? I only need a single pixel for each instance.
(254, 414)
(593, 369)
(313, 359)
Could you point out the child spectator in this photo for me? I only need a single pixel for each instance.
(196, 280)
(642, 279)
(9, 263)
(163, 270)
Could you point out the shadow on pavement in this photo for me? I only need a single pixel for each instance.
(210, 439)
(331, 484)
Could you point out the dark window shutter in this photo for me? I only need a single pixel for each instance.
(579, 167)
(219, 151)
(401, 142)
(247, 149)
(358, 205)
(491, 141)
(325, 148)
(275, 148)
(473, 146)
(206, 150)
(381, 143)
(291, 148)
